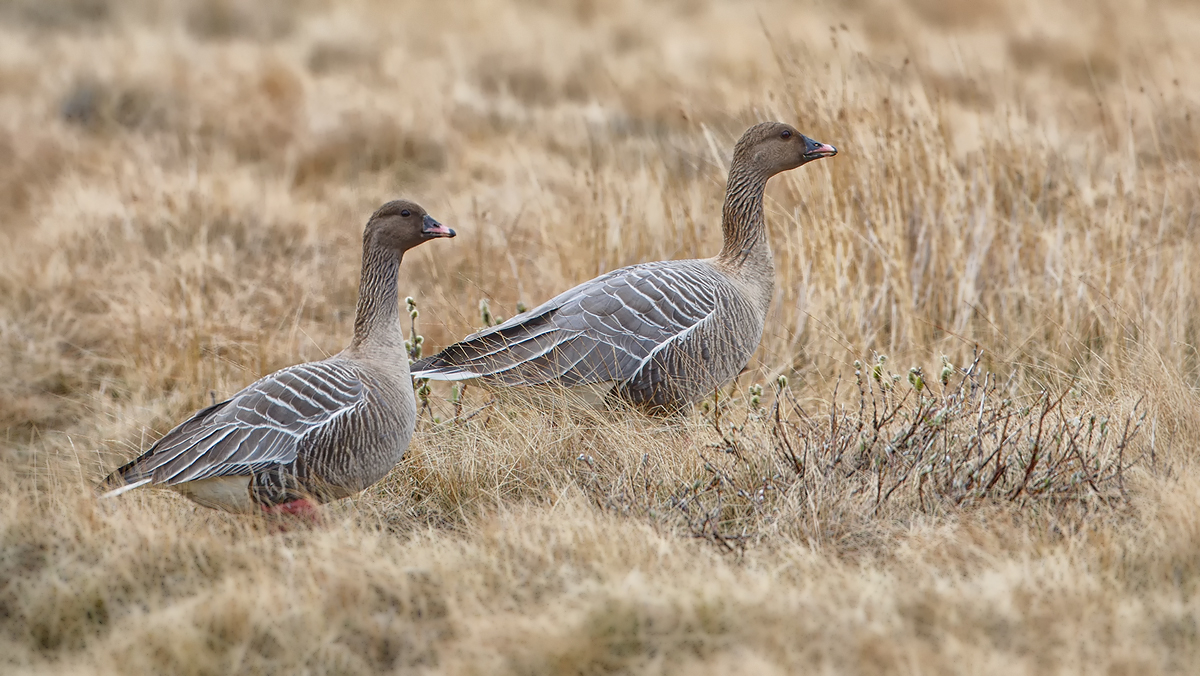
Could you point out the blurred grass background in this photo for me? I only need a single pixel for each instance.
(183, 186)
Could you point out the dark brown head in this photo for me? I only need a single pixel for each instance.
(401, 225)
(772, 147)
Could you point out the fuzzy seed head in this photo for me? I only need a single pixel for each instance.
(915, 378)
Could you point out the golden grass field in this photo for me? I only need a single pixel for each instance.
(183, 187)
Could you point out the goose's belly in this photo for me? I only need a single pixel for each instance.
(230, 493)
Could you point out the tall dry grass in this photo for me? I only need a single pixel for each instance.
(182, 191)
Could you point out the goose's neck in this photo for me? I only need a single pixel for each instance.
(377, 318)
(745, 232)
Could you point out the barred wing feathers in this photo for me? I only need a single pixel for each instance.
(608, 329)
(262, 426)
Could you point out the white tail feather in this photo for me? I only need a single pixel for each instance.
(434, 374)
(127, 487)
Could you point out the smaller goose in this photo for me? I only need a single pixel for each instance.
(660, 335)
(313, 432)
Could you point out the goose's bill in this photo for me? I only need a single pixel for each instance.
(431, 228)
(815, 150)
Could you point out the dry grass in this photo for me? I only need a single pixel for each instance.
(182, 191)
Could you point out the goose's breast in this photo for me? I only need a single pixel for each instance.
(364, 446)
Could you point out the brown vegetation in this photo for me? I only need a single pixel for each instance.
(183, 187)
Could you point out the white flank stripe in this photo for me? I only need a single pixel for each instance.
(666, 343)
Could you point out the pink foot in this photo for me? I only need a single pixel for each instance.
(302, 509)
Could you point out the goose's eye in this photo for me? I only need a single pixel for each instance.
(406, 213)
(785, 134)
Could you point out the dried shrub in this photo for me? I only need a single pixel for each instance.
(903, 451)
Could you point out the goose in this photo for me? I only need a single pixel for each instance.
(658, 335)
(312, 432)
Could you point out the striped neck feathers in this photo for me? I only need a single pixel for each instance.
(377, 317)
(742, 223)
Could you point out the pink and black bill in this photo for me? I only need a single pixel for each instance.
(431, 228)
(815, 150)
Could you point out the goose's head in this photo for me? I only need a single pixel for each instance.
(772, 147)
(401, 225)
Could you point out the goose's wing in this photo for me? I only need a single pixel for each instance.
(261, 426)
(603, 330)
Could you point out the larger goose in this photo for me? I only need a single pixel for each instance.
(662, 334)
(312, 432)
